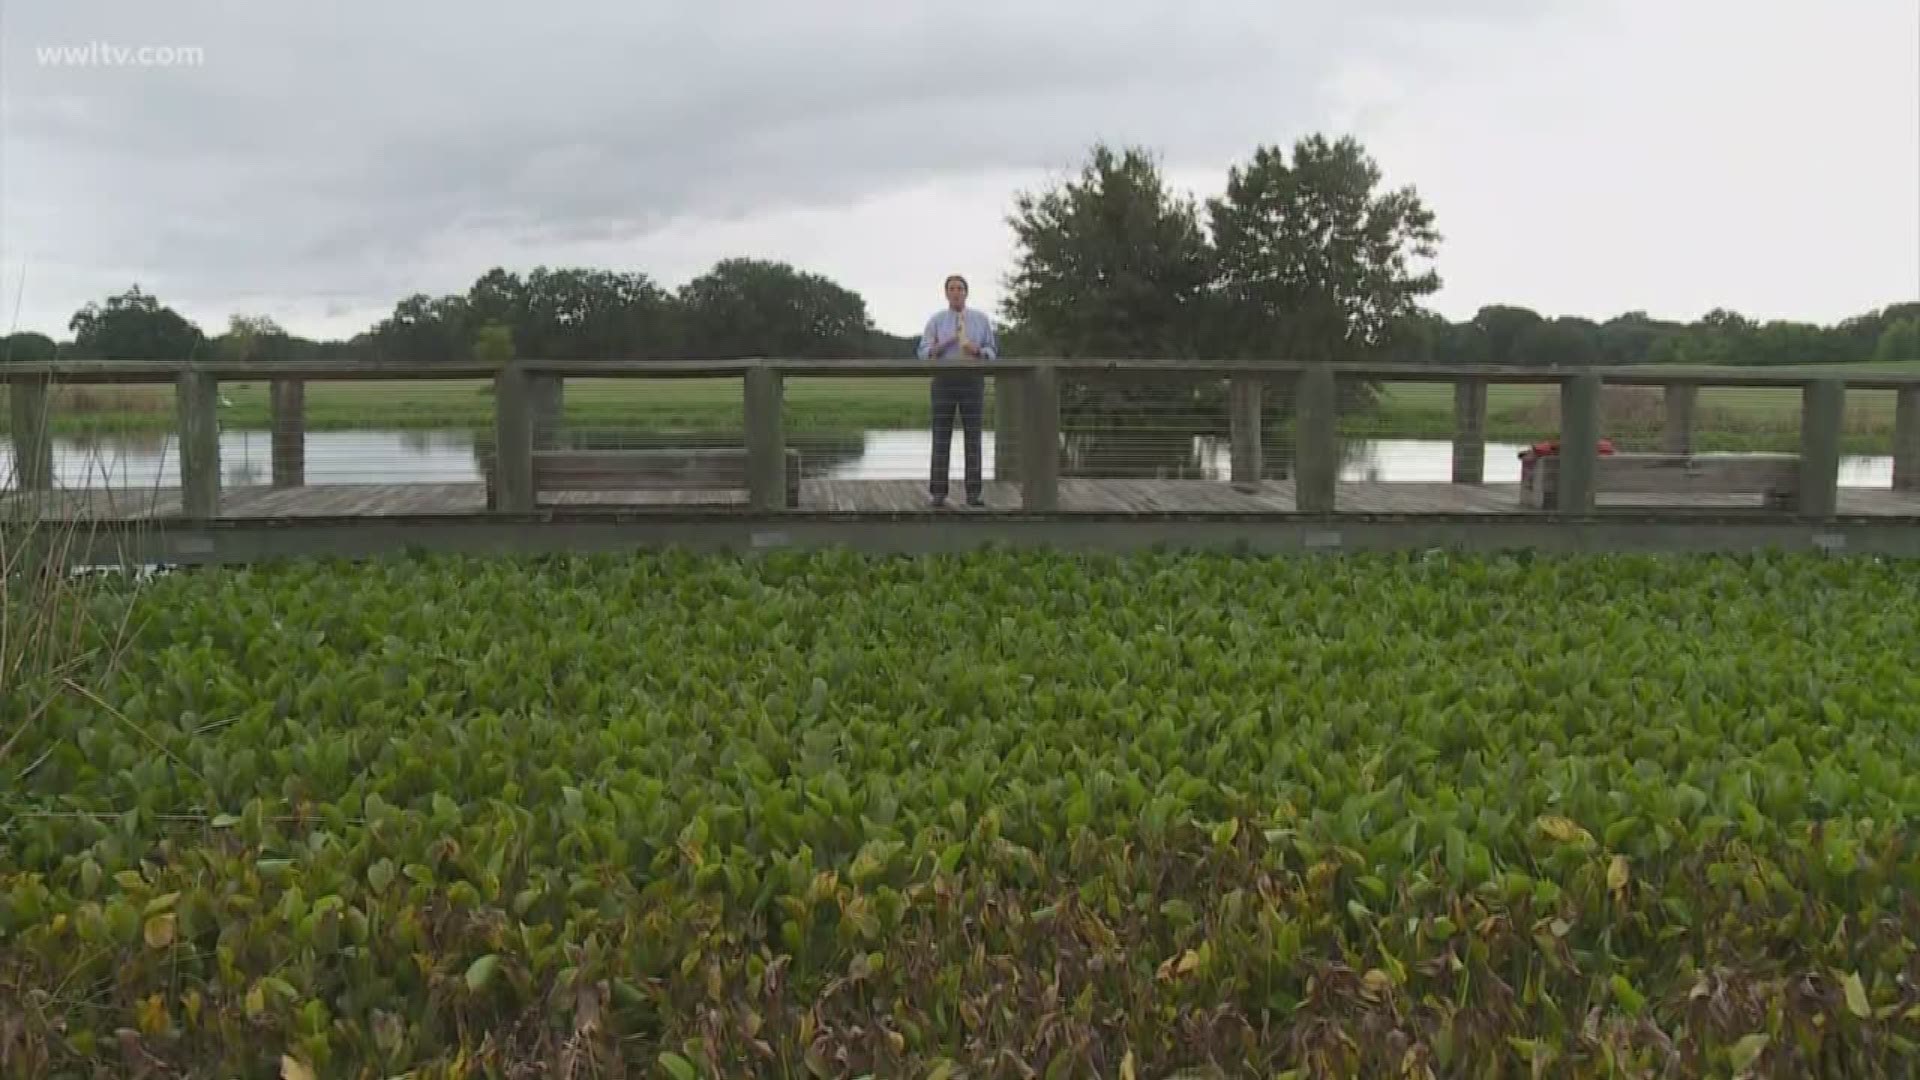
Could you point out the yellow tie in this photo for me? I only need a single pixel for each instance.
(960, 317)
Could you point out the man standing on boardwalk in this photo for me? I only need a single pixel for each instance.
(957, 332)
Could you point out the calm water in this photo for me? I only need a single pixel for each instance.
(395, 457)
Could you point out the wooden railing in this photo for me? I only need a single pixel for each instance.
(1028, 414)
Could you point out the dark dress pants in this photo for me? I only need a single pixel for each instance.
(965, 395)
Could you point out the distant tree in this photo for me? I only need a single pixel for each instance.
(1503, 327)
(424, 330)
(585, 314)
(1900, 341)
(134, 326)
(254, 337)
(1314, 260)
(1110, 264)
(1780, 343)
(493, 344)
(27, 346)
(752, 307)
(1629, 338)
(1565, 342)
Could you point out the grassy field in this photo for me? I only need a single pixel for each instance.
(1727, 418)
(983, 816)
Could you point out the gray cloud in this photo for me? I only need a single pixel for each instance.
(329, 151)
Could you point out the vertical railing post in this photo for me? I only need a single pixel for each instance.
(1243, 423)
(1316, 431)
(513, 440)
(547, 400)
(1579, 442)
(197, 397)
(766, 439)
(1008, 419)
(32, 437)
(1823, 405)
(1906, 439)
(1040, 441)
(1676, 435)
(288, 403)
(1470, 430)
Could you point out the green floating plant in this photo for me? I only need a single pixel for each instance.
(985, 815)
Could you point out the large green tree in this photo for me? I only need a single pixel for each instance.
(134, 326)
(743, 308)
(424, 329)
(28, 345)
(1315, 261)
(253, 337)
(1110, 264)
(578, 313)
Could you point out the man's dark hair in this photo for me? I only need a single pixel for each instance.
(951, 278)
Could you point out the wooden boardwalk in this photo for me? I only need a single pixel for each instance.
(878, 497)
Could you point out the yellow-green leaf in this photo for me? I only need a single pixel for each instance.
(1856, 996)
(159, 931)
(480, 972)
(677, 1067)
(292, 1068)
(1748, 1050)
(1564, 830)
(1618, 874)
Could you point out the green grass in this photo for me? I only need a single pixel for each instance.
(827, 815)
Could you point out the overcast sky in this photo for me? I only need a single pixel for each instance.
(321, 160)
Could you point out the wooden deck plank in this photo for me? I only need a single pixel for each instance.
(1077, 495)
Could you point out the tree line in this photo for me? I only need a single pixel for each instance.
(1305, 254)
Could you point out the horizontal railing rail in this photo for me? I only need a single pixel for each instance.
(1028, 413)
(165, 371)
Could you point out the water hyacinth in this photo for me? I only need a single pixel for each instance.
(987, 815)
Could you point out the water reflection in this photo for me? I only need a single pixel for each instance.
(141, 460)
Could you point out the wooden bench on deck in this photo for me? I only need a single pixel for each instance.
(698, 469)
(1774, 477)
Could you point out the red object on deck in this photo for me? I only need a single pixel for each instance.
(1550, 448)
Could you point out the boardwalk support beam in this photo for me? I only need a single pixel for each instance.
(1243, 407)
(766, 440)
(513, 440)
(1470, 431)
(1040, 442)
(288, 400)
(1579, 442)
(1316, 429)
(197, 396)
(1822, 409)
(32, 438)
(1008, 419)
(1681, 399)
(1906, 439)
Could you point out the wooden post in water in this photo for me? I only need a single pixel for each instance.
(197, 397)
(1579, 442)
(766, 440)
(1243, 419)
(1906, 439)
(32, 439)
(1040, 441)
(1008, 419)
(1470, 430)
(1676, 437)
(288, 400)
(513, 441)
(1823, 406)
(1316, 431)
